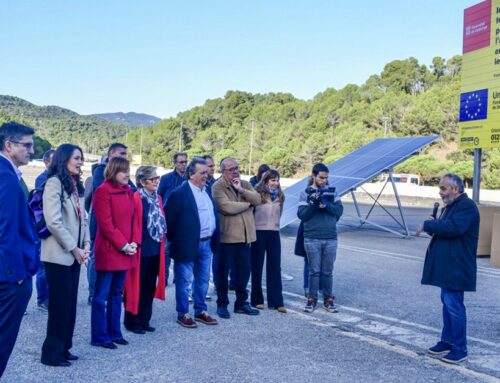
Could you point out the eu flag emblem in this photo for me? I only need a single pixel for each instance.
(474, 105)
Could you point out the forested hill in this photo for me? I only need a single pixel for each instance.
(407, 98)
(59, 125)
(130, 118)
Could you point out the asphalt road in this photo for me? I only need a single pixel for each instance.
(386, 321)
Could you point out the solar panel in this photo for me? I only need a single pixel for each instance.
(358, 167)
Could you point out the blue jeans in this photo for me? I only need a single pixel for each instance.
(306, 276)
(321, 254)
(168, 261)
(454, 320)
(42, 290)
(107, 307)
(184, 273)
(91, 275)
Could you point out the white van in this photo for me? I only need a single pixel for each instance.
(408, 179)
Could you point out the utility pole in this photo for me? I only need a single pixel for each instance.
(251, 148)
(385, 119)
(140, 147)
(180, 137)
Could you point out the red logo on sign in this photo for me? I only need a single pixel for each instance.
(477, 24)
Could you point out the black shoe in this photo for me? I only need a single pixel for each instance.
(61, 363)
(246, 309)
(223, 312)
(121, 341)
(70, 356)
(136, 330)
(149, 328)
(109, 345)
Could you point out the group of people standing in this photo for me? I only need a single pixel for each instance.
(133, 231)
(226, 225)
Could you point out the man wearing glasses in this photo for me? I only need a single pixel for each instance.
(235, 200)
(170, 181)
(18, 248)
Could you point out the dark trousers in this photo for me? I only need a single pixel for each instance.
(268, 246)
(106, 311)
(237, 254)
(14, 298)
(63, 292)
(150, 267)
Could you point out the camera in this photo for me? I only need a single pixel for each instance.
(320, 196)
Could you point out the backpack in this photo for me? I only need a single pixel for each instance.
(35, 202)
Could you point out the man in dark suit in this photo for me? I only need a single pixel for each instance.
(450, 263)
(193, 236)
(18, 245)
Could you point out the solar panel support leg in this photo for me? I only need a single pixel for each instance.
(364, 220)
(398, 200)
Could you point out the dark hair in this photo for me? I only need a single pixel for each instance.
(174, 158)
(59, 168)
(47, 154)
(13, 131)
(317, 168)
(207, 157)
(115, 166)
(262, 169)
(261, 186)
(191, 168)
(114, 146)
(455, 181)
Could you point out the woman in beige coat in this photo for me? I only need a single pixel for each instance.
(64, 251)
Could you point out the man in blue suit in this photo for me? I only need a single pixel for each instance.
(193, 236)
(18, 246)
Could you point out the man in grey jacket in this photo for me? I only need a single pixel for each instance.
(319, 210)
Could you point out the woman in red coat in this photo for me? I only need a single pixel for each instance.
(115, 251)
(146, 280)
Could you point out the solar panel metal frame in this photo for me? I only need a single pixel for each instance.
(346, 179)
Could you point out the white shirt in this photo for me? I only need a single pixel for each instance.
(205, 210)
(16, 169)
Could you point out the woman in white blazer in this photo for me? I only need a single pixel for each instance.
(64, 251)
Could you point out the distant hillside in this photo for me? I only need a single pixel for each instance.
(130, 118)
(59, 125)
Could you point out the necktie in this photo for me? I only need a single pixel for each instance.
(24, 187)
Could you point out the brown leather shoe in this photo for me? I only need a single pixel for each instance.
(260, 306)
(205, 318)
(186, 321)
(281, 309)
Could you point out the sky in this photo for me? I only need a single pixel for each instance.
(163, 57)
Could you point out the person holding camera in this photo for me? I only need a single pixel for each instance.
(319, 210)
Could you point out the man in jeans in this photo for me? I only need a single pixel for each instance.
(319, 210)
(193, 236)
(450, 263)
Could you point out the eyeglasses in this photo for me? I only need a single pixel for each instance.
(233, 169)
(182, 162)
(27, 145)
(153, 179)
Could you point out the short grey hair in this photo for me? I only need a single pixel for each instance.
(191, 168)
(455, 181)
(143, 173)
(222, 166)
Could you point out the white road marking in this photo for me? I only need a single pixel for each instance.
(401, 335)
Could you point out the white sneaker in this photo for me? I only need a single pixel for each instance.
(286, 277)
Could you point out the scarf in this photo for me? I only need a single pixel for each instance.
(273, 193)
(156, 222)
